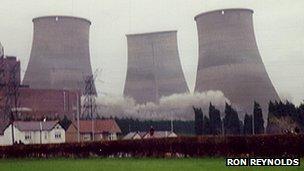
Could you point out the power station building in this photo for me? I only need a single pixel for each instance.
(60, 55)
(29, 103)
(9, 76)
(154, 68)
(229, 59)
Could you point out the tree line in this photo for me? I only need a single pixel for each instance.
(213, 124)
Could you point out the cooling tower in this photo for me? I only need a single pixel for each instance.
(1, 50)
(229, 59)
(154, 68)
(60, 57)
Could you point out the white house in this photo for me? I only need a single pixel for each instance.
(160, 134)
(34, 132)
(146, 135)
(132, 136)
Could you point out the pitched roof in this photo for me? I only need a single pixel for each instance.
(161, 134)
(100, 126)
(129, 136)
(35, 125)
(142, 134)
(157, 134)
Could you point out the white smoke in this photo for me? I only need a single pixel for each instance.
(176, 106)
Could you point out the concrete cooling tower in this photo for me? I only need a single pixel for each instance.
(1, 50)
(154, 68)
(60, 57)
(229, 59)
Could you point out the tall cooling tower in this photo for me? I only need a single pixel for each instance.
(229, 59)
(1, 50)
(60, 57)
(154, 68)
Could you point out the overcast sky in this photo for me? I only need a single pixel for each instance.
(279, 28)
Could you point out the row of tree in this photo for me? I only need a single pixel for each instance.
(213, 124)
(288, 109)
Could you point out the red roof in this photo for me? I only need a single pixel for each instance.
(100, 126)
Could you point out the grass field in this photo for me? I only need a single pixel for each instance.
(129, 164)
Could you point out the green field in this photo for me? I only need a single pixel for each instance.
(128, 164)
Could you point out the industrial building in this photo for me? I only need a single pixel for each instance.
(9, 81)
(10, 69)
(60, 55)
(32, 103)
(53, 104)
(154, 68)
(229, 59)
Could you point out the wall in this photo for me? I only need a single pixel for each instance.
(6, 138)
(98, 136)
(57, 129)
(71, 134)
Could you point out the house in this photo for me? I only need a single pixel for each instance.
(160, 134)
(71, 134)
(133, 136)
(146, 135)
(34, 132)
(101, 129)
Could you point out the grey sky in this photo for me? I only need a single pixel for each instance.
(279, 28)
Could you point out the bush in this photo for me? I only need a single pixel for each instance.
(201, 146)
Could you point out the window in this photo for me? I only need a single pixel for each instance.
(45, 135)
(27, 136)
(112, 136)
(57, 135)
(86, 137)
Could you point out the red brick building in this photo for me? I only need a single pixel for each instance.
(106, 129)
(39, 103)
(9, 74)
(10, 68)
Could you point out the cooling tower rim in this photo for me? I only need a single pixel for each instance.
(61, 16)
(151, 33)
(225, 9)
